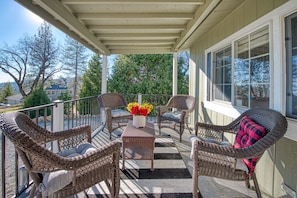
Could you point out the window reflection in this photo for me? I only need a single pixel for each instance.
(252, 70)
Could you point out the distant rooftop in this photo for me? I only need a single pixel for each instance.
(56, 87)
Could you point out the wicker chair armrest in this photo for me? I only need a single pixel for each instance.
(108, 112)
(213, 131)
(162, 109)
(218, 128)
(229, 151)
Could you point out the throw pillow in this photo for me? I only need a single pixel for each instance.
(249, 133)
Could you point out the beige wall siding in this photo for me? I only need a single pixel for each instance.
(285, 164)
(278, 164)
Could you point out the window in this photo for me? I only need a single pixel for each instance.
(245, 82)
(252, 70)
(291, 63)
(222, 75)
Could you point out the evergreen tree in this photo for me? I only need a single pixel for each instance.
(91, 85)
(5, 92)
(91, 79)
(37, 97)
(64, 96)
(147, 74)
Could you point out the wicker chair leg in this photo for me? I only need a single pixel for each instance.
(159, 125)
(109, 127)
(195, 175)
(33, 191)
(258, 192)
(181, 131)
(189, 128)
(195, 186)
(247, 183)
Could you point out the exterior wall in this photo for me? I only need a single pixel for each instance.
(278, 164)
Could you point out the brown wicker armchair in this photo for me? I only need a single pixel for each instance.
(221, 161)
(176, 110)
(114, 106)
(68, 172)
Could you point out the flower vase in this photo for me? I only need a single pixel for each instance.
(139, 121)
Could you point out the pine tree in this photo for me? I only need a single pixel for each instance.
(91, 84)
(147, 74)
(5, 92)
(36, 98)
(91, 79)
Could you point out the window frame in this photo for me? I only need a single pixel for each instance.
(228, 108)
(289, 79)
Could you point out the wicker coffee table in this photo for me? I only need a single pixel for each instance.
(138, 143)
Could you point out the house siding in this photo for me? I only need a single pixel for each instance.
(278, 164)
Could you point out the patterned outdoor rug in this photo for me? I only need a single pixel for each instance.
(170, 178)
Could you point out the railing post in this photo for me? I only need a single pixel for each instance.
(139, 99)
(3, 165)
(58, 120)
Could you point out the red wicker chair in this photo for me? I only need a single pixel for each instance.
(78, 172)
(218, 160)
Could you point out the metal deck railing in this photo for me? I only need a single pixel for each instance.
(58, 115)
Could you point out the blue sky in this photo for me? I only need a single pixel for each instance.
(15, 21)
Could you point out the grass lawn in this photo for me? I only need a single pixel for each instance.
(11, 108)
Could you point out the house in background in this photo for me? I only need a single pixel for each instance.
(14, 99)
(54, 91)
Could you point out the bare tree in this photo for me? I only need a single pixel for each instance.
(74, 58)
(44, 55)
(32, 60)
(15, 62)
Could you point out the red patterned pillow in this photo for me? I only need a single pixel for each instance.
(249, 133)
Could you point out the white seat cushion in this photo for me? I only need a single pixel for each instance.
(193, 138)
(239, 164)
(54, 181)
(173, 115)
(79, 150)
(119, 113)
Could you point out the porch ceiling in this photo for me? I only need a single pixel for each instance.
(131, 26)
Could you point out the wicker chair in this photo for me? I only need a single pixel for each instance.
(176, 110)
(114, 106)
(70, 174)
(221, 161)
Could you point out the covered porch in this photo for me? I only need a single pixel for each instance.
(172, 176)
(205, 28)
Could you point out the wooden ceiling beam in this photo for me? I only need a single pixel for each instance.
(138, 42)
(136, 27)
(116, 36)
(144, 2)
(158, 16)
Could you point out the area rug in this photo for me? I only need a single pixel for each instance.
(170, 178)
